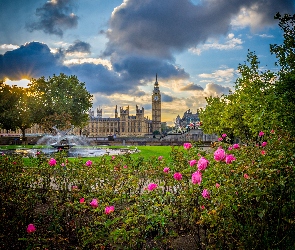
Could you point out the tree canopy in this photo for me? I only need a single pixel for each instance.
(60, 101)
(262, 100)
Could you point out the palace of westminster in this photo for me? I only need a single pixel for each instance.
(123, 124)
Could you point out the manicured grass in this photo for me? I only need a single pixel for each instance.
(146, 152)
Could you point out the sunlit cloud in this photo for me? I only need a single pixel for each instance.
(231, 43)
(20, 83)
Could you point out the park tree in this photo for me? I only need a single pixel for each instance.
(64, 100)
(17, 108)
(262, 100)
(285, 85)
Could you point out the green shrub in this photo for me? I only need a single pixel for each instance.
(249, 204)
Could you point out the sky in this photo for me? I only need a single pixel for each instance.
(117, 47)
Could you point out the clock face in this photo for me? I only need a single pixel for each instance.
(156, 98)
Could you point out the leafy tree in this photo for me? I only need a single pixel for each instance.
(17, 108)
(8, 100)
(64, 101)
(285, 86)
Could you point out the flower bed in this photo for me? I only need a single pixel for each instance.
(236, 197)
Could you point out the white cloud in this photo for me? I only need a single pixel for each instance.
(231, 43)
(221, 75)
(8, 47)
(89, 60)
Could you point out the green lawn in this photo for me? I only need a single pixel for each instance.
(146, 152)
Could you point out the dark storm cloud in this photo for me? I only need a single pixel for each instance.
(159, 28)
(30, 60)
(191, 86)
(166, 98)
(54, 17)
(144, 66)
(79, 46)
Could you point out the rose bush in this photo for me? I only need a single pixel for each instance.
(223, 201)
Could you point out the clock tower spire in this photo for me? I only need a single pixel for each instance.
(156, 107)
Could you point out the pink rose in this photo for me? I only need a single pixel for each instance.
(263, 152)
(113, 157)
(197, 177)
(202, 163)
(246, 176)
(202, 207)
(224, 135)
(82, 200)
(74, 187)
(152, 186)
(31, 228)
(160, 158)
(206, 194)
(94, 203)
(230, 148)
(192, 162)
(261, 133)
(166, 170)
(88, 163)
(217, 185)
(236, 146)
(272, 131)
(177, 176)
(220, 139)
(219, 154)
(124, 166)
(52, 162)
(187, 145)
(109, 209)
(263, 144)
(229, 159)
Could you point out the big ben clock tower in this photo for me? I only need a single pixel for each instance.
(156, 107)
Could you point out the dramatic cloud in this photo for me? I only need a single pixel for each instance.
(191, 87)
(161, 27)
(54, 17)
(79, 47)
(213, 89)
(30, 60)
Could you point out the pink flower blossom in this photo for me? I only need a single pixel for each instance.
(38, 152)
(202, 163)
(219, 154)
(263, 152)
(220, 139)
(124, 166)
(88, 163)
(230, 148)
(236, 146)
(177, 176)
(202, 207)
(31, 228)
(261, 133)
(52, 162)
(229, 159)
(272, 131)
(82, 200)
(62, 164)
(263, 144)
(113, 157)
(166, 170)
(74, 187)
(152, 186)
(206, 194)
(109, 209)
(197, 177)
(94, 203)
(246, 176)
(160, 158)
(192, 162)
(187, 145)
(217, 185)
(224, 135)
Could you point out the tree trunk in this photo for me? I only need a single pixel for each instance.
(24, 139)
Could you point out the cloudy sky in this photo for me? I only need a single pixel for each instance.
(117, 47)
